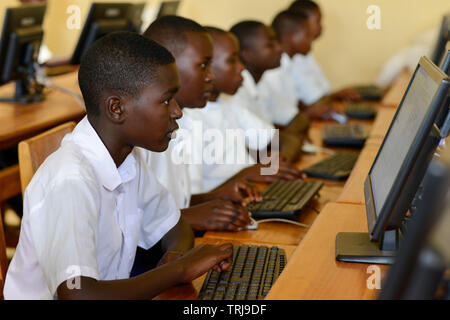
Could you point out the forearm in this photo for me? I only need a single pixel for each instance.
(146, 286)
(180, 238)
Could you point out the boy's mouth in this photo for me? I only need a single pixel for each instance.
(172, 134)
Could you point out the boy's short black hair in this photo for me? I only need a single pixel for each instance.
(120, 61)
(245, 31)
(215, 30)
(288, 21)
(170, 32)
(305, 6)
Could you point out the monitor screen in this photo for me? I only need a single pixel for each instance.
(403, 131)
(102, 19)
(410, 136)
(20, 41)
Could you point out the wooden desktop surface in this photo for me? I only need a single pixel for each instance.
(19, 122)
(353, 191)
(313, 273)
(395, 94)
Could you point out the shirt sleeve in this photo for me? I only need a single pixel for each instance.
(64, 231)
(160, 212)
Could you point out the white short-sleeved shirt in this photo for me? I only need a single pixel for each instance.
(238, 128)
(83, 216)
(172, 175)
(310, 82)
(265, 101)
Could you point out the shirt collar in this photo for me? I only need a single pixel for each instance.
(92, 147)
(249, 83)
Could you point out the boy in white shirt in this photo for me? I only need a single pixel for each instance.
(218, 209)
(240, 128)
(260, 51)
(94, 201)
(311, 83)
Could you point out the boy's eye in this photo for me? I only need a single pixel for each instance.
(167, 102)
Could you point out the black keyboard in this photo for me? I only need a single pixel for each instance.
(345, 135)
(254, 270)
(335, 167)
(360, 110)
(284, 199)
(370, 92)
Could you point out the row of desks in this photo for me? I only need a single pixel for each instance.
(312, 271)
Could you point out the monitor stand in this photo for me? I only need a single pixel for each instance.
(23, 94)
(357, 247)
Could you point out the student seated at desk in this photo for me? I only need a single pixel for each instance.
(94, 201)
(310, 82)
(218, 209)
(295, 37)
(260, 51)
(222, 116)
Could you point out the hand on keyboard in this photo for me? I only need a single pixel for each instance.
(204, 257)
(348, 94)
(237, 191)
(285, 172)
(217, 215)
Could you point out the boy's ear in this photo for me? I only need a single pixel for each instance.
(115, 109)
(246, 55)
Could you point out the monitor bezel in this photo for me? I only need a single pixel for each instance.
(377, 224)
(165, 3)
(95, 12)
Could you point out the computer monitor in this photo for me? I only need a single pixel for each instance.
(398, 168)
(21, 39)
(168, 8)
(445, 67)
(135, 16)
(443, 38)
(102, 19)
(425, 253)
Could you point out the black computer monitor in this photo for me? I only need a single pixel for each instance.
(443, 38)
(425, 253)
(135, 16)
(168, 8)
(445, 67)
(102, 19)
(398, 168)
(21, 39)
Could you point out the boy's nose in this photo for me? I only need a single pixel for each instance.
(209, 75)
(175, 111)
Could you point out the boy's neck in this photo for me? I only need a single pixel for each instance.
(256, 74)
(117, 150)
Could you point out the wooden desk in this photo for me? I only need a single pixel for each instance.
(353, 191)
(190, 291)
(382, 122)
(272, 233)
(19, 122)
(395, 94)
(313, 273)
